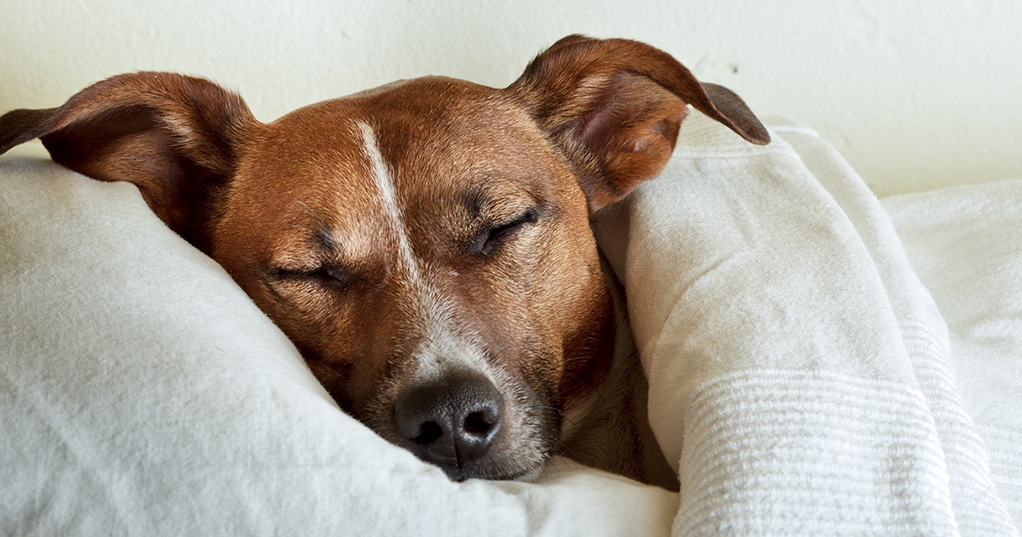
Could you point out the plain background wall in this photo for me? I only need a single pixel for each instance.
(916, 94)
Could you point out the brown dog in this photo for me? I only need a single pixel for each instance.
(426, 245)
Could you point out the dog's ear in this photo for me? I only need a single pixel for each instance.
(175, 137)
(615, 106)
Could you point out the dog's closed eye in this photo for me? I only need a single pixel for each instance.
(328, 276)
(493, 236)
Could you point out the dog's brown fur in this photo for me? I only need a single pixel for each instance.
(481, 258)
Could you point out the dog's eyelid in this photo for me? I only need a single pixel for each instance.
(528, 216)
(493, 235)
(495, 199)
(334, 275)
(327, 274)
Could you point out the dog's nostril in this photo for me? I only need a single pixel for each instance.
(429, 432)
(477, 424)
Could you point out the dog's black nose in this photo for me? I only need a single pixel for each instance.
(451, 422)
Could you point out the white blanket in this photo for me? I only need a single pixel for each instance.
(803, 381)
(799, 371)
(966, 245)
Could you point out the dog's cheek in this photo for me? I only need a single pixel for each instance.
(526, 316)
(570, 292)
(340, 338)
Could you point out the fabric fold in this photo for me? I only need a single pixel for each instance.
(965, 243)
(798, 369)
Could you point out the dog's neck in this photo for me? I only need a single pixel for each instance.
(609, 427)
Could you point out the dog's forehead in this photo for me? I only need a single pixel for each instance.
(435, 119)
(441, 135)
(433, 138)
(436, 150)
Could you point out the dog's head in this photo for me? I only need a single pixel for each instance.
(426, 245)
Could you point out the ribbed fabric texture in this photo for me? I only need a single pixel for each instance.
(965, 243)
(800, 373)
(815, 441)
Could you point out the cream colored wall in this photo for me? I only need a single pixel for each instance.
(916, 94)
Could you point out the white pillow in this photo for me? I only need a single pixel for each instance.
(142, 392)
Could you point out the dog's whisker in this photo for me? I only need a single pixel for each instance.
(553, 467)
(322, 222)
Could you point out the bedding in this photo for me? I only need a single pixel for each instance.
(965, 243)
(819, 366)
(801, 375)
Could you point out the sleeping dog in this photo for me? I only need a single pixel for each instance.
(426, 245)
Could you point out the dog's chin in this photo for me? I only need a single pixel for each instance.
(517, 457)
(496, 474)
(523, 461)
(531, 475)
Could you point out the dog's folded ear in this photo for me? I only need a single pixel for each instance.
(175, 137)
(614, 107)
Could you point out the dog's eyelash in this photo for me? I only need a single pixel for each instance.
(492, 237)
(324, 275)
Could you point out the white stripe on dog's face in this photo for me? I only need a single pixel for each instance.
(443, 347)
(381, 175)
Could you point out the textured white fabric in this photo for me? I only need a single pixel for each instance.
(142, 393)
(799, 371)
(966, 246)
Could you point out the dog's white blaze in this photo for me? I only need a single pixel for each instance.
(443, 348)
(380, 173)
